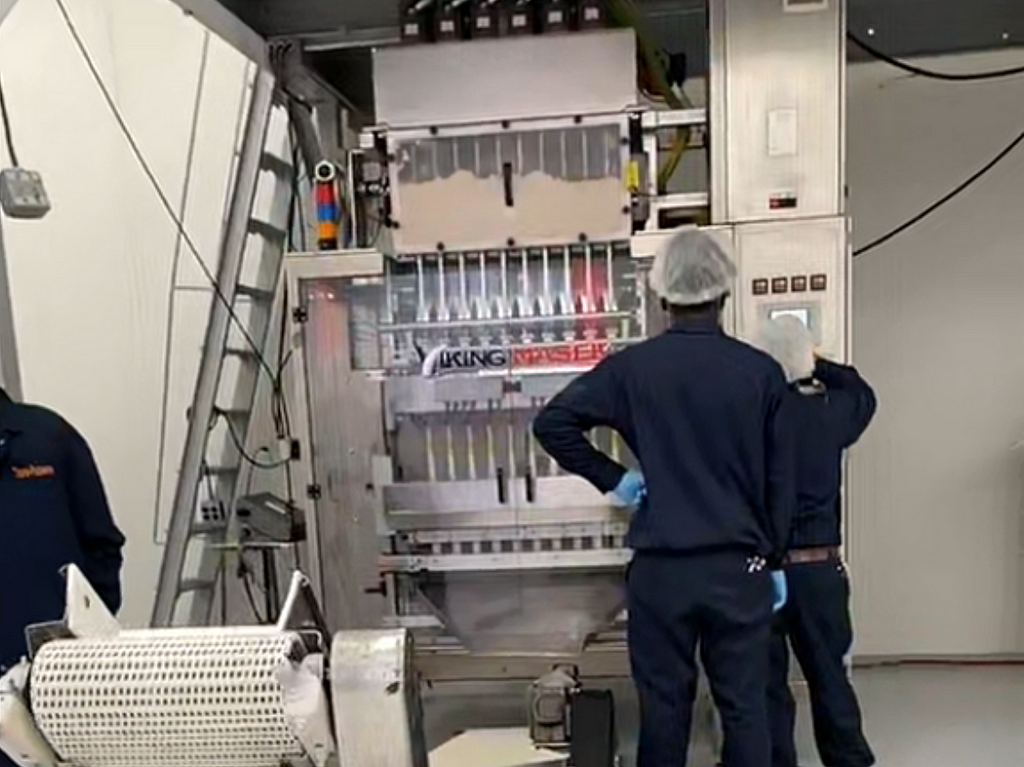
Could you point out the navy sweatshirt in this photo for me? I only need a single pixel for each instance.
(826, 424)
(53, 512)
(704, 415)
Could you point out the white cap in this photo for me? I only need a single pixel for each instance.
(789, 341)
(691, 268)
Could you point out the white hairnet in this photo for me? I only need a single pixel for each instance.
(691, 268)
(789, 341)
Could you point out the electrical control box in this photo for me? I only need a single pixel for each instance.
(776, 109)
(799, 269)
(22, 193)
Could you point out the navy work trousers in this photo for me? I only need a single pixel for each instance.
(721, 602)
(816, 621)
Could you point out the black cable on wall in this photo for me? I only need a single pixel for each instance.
(7, 126)
(921, 72)
(876, 243)
(946, 77)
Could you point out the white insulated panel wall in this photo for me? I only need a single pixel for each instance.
(936, 488)
(93, 281)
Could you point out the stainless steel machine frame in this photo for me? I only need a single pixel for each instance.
(567, 526)
(777, 98)
(384, 546)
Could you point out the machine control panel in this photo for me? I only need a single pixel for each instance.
(797, 283)
(796, 269)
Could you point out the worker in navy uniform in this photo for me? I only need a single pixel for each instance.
(703, 414)
(832, 406)
(53, 512)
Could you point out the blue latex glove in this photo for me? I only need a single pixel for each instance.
(631, 489)
(781, 590)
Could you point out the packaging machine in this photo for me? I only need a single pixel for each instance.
(506, 209)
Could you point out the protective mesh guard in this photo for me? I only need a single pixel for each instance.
(143, 700)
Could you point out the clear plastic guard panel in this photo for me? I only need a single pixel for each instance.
(473, 344)
(523, 185)
(358, 307)
(344, 317)
(542, 306)
(470, 345)
(458, 435)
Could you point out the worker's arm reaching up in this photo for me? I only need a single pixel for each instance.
(591, 400)
(98, 536)
(851, 401)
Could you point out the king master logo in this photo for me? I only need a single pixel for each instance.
(443, 360)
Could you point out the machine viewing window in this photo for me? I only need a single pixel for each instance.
(529, 186)
(535, 305)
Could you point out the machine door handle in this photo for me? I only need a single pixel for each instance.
(531, 486)
(506, 174)
(502, 485)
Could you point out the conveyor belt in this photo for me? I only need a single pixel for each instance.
(202, 697)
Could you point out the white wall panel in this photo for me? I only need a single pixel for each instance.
(92, 281)
(937, 495)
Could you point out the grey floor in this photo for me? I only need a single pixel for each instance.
(915, 716)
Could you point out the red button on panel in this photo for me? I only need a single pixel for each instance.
(760, 287)
(798, 284)
(780, 285)
(819, 282)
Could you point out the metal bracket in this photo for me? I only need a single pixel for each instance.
(85, 615)
(301, 611)
(271, 518)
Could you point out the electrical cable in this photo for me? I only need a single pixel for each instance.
(222, 581)
(245, 574)
(296, 214)
(941, 201)
(158, 189)
(7, 127)
(921, 72)
(626, 13)
(279, 403)
(249, 459)
(378, 219)
(186, 188)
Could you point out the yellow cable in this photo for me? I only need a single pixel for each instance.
(626, 13)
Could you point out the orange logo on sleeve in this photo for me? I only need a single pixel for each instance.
(33, 472)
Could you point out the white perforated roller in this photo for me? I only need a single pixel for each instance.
(166, 699)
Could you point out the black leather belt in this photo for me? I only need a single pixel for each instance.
(813, 555)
